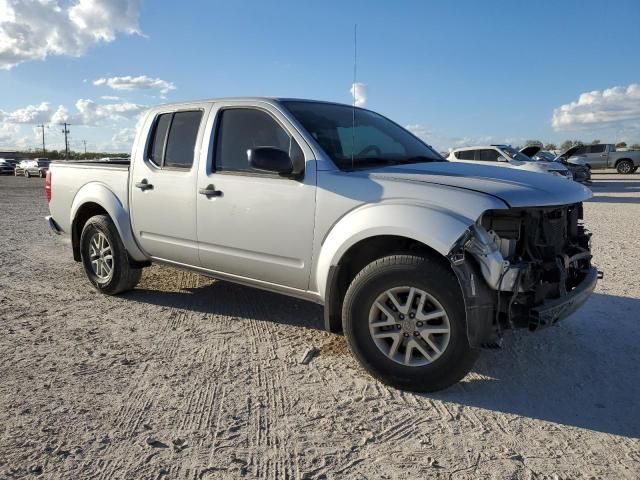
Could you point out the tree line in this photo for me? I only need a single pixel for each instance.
(73, 155)
(567, 144)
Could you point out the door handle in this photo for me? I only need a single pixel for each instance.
(144, 185)
(210, 191)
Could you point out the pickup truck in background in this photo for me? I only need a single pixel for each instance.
(419, 261)
(605, 155)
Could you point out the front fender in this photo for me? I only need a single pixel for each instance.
(433, 226)
(100, 194)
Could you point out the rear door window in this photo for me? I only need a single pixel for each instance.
(174, 139)
(488, 155)
(596, 148)
(181, 142)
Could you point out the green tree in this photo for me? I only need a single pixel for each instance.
(550, 146)
(595, 142)
(566, 145)
(635, 146)
(621, 145)
(577, 143)
(533, 143)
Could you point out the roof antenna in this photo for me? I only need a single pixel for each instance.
(353, 93)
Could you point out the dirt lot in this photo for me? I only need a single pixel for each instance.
(187, 377)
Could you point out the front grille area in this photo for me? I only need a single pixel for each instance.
(550, 245)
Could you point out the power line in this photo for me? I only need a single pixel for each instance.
(66, 132)
(44, 150)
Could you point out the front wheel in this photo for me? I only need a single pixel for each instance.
(27, 174)
(624, 167)
(105, 258)
(404, 320)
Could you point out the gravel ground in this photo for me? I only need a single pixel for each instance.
(187, 377)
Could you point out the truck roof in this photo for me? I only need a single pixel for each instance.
(271, 100)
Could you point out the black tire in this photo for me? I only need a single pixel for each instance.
(27, 174)
(625, 167)
(432, 277)
(123, 277)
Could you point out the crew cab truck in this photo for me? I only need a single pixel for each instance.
(419, 261)
(604, 155)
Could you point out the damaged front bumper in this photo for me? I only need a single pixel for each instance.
(530, 277)
(552, 311)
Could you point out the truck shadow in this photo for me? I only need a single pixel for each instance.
(629, 186)
(236, 301)
(583, 372)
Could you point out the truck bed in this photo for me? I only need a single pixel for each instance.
(94, 177)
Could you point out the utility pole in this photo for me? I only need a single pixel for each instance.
(66, 132)
(85, 146)
(44, 150)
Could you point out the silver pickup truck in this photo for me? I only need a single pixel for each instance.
(604, 155)
(419, 261)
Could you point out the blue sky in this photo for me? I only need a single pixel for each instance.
(457, 73)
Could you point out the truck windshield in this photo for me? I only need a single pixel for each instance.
(355, 138)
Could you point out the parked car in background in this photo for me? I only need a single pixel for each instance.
(508, 157)
(605, 155)
(36, 167)
(7, 166)
(419, 261)
(22, 166)
(576, 165)
(40, 168)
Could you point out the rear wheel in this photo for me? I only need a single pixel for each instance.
(404, 320)
(624, 167)
(104, 257)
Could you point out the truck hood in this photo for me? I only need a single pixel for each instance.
(517, 188)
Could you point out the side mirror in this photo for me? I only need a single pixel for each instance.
(269, 159)
(502, 159)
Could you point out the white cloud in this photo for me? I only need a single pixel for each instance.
(7, 133)
(419, 130)
(359, 92)
(141, 82)
(112, 98)
(599, 108)
(123, 139)
(90, 113)
(29, 114)
(33, 30)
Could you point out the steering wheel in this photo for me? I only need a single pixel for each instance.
(370, 148)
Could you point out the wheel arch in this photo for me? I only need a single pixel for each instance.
(623, 159)
(390, 229)
(97, 199)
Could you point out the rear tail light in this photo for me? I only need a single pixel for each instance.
(47, 185)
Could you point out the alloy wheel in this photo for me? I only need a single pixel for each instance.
(101, 256)
(409, 326)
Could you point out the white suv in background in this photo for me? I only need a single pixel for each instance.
(506, 156)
